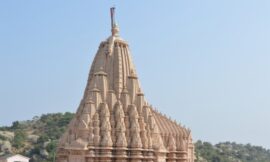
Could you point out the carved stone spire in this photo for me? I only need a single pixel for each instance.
(171, 143)
(135, 140)
(102, 83)
(120, 127)
(105, 128)
(125, 99)
(96, 129)
(114, 122)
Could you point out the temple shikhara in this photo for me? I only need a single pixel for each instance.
(114, 122)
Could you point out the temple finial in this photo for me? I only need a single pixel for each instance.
(114, 27)
(112, 17)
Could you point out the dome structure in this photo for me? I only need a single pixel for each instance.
(114, 122)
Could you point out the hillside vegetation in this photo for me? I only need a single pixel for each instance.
(230, 152)
(37, 139)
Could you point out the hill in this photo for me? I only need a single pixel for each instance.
(230, 152)
(37, 138)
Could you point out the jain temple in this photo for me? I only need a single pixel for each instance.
(114, 122)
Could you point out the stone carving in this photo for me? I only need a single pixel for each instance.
(135, 140)
(96, 130)
(171, 144)
(79, 143)
(105, 128)
(120, 127)
(114, 122)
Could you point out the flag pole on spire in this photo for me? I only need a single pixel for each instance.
(112, 17)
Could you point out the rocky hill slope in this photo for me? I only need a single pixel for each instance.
(37, 139)
(230, 152)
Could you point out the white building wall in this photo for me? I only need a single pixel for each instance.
(17, 158)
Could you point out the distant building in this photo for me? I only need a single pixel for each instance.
(114, 122)
(14, 158)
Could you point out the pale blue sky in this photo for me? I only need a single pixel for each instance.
(205, 63)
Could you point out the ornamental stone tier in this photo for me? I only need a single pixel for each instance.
(114, 122)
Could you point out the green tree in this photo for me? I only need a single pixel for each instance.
(19, 139)
(15, 125)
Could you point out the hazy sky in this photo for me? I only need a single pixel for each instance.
(205, 63)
